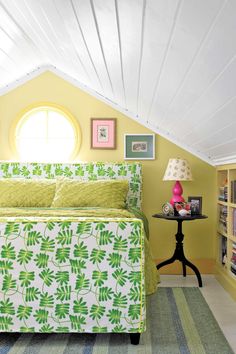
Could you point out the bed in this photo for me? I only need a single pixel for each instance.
(75, 269)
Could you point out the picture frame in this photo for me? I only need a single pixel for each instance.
(103, 133)
(139, 146)
(196, 205)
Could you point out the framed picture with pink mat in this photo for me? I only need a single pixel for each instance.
(103, 133)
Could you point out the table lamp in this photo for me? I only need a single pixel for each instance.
(177, 170)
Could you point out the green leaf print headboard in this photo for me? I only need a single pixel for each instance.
(84, 171)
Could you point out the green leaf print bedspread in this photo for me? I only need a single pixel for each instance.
(64, 274)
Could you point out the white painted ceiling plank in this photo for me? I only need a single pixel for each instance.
(188, 43)
(68, 16)
(164, 59)
(158, 22)
(220, 136)
(105, 12)
(63, 42)
(224, 117)
(203, 77)
(141, 56)
(12, 54)
(130, 16)
(23, 21)
(85, 16)
(221, 92)
(224, 160)
(120, 52)
(101, 45)
(222, 150)
(44, 31)
(11, 26)
(18, 43)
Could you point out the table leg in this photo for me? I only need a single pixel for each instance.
(179, 255)
(184, 269)
(168, 261)
(196, 271)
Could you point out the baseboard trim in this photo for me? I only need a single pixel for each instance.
(226, 280)
(205, 266)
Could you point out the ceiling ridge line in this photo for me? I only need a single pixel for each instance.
(211, 115)
(71, 41)
(85, 44)
(141, 54)
(28, 39)
(101, 46)
(120, 50)
(193, 61)
(164, 57)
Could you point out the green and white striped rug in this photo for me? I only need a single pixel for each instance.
(179, 322)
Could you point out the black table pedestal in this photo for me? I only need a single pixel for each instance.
(179, 255)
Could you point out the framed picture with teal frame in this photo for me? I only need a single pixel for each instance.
(139, 147)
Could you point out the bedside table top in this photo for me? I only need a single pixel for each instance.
(178, 217)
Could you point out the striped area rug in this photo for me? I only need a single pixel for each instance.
(179, 322)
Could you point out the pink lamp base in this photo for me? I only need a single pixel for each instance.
(177, 194)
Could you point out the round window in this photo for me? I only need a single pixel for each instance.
(46, 133)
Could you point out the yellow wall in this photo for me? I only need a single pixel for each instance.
(199, 240)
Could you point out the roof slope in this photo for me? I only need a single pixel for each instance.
(169, 64)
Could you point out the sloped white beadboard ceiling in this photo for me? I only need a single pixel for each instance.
(168, 64)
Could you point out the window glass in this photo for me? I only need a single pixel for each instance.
(46, 134)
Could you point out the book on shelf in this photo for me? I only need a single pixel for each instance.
(223, 214)
(233, 191)
(234, 222)
(233, 270)
(233, 259)
(223, 249)
(223, 194)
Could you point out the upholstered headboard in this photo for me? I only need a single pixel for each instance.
(84, 171)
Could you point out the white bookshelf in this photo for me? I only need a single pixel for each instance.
(226, 227)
